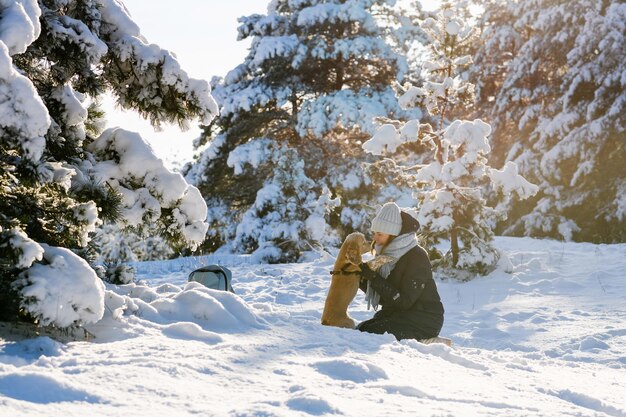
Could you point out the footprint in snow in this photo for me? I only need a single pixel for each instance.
(350, 370)
(585, 401)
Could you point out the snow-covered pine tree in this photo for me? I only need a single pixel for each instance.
(551, 79)
(453, 186)
(60, 176)
(317, 73)
(289, 211)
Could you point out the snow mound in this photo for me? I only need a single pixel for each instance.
(310, 404)
(237, 314)
(190, 331)
(592, 344)
(48, 389)
(194, 312)
(32, 349)
(350, 370)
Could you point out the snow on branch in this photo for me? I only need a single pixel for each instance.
(143, 74)
(70, 31)
(508, 181)
(252, 153)
(128, 163)
(269, 47)
(19, 24)
(63, 290)
(387, 138)
(471, 136)
(324, 12)
(235, 98)
(28, 250)
(22, 112)
(344, 109)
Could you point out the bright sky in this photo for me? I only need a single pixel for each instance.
(203, 35)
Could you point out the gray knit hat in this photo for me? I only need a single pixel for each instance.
(388, 220)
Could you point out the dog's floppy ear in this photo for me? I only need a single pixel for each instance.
(353, 252)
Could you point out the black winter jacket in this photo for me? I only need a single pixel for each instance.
(409, 289)
(409, 295)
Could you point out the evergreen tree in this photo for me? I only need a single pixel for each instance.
(453, 185)
(288, 211)
(550, 78)
(316, 75)
(60, 176)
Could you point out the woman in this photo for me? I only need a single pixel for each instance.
(411, 306)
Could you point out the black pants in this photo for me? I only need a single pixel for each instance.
(422, 325)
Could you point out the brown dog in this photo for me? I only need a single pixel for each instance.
(345, 281)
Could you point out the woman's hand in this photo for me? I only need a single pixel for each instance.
(367, 272)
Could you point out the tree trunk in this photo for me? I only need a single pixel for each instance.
(294, 105)
(454, 241)
(339, 73)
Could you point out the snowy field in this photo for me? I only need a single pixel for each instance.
(549, 339)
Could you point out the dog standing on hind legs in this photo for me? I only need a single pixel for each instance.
(346, 275)
(344, 284)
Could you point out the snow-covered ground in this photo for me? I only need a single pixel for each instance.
(549, 339)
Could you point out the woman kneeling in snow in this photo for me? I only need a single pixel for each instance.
(405, 288)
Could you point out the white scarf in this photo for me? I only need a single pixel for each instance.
(398, 247)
